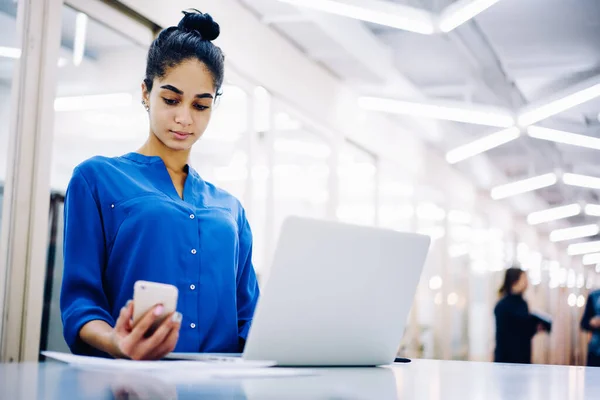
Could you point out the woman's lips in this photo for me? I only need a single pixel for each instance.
(180, 135)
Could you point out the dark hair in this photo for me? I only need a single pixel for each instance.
(512, 275)
(190, 39)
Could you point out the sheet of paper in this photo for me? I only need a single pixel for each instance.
(106, 363)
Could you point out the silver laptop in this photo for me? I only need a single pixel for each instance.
(337, 295)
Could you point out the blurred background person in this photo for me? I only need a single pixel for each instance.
(590, 321)
(515, 325)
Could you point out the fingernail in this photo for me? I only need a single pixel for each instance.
(158, 310)
(128, 303)
(177, 317)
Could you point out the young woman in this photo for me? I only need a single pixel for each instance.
(148, 215)
(515, 326)
(590, 322)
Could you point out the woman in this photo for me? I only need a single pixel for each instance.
(590, 322)
(515, 326)
(148, 215)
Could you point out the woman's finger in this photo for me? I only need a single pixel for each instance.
(123, 325)
(143, 325)
(168, 345)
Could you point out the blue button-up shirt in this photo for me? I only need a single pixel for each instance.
(125, 221)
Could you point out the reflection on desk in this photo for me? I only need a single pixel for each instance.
(421, 379)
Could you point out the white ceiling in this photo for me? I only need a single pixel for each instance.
(515, 52)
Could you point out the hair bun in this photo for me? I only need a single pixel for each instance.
(203, 24)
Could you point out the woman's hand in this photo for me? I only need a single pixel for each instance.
(595, 322)
(137, 342)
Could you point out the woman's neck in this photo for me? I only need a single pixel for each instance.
(175, 160)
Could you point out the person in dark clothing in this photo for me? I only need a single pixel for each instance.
(590, 321)
(515, 326)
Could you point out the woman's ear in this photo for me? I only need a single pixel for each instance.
(145, 93)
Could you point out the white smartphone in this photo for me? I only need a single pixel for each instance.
(146, 295)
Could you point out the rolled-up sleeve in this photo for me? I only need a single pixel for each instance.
(82, 296)
(247, 285)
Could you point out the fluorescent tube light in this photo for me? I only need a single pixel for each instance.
(591, 259)
(557, 136)
(593, 210)
(482, 145)
(578, 249)
(584, 181)
(462, 11)
(578, 232)
(375, 11)
(523, 186)
(472, 114)
(81, 22)
(551, 108)
(553, 214)
(10, 52)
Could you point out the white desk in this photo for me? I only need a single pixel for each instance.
(421, 379)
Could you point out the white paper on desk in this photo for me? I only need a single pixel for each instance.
(107, 363)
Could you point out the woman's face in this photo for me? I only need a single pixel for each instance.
(520, 286)
(181, 104)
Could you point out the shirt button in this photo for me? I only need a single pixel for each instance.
(192, 216)
(192, 325)
(193, 251)
(192, 287)
(112, 206)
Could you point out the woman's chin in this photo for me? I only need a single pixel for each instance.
(179, 145)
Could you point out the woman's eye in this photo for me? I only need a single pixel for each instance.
(200, 107)
(170, 102)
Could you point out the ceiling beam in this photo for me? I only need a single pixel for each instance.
(486, 65)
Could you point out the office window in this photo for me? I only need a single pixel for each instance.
(98, 105)
(10, 52)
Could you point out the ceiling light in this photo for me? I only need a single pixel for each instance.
(377, 11)
(584, 181)
(10, 52)
(593, 210)
(591, 259)
(472, 114)
(93, 102)
(523, 186)
(553, 214)
(482, 145)
(577, 232)
(578, 249)
(80, 34)
(533, 115)
(557, 136)
(13, 52)
(461, 11)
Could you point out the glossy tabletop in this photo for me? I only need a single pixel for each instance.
(421, 379)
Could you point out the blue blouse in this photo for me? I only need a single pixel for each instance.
(125, 221)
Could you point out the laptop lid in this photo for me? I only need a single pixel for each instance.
(337, 294)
